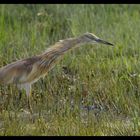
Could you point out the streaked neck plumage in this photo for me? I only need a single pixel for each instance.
(52, 54)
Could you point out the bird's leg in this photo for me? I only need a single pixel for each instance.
(29, 103)
(27, 88)
(19, 97)
(20, 94)
(28, 93)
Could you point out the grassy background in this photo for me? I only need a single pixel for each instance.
(98, 92)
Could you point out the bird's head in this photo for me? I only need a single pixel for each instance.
(91, 38)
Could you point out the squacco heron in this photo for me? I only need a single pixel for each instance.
(23, 73)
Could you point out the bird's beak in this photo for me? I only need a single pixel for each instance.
(103, 42)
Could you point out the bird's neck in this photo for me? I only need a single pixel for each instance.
(62, 47)
(54, 53)
(68, 44)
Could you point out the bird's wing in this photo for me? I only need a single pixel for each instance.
(16, 72)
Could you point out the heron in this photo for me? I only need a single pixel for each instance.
(23, 73)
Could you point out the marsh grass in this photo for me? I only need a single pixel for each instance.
(94, 90)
